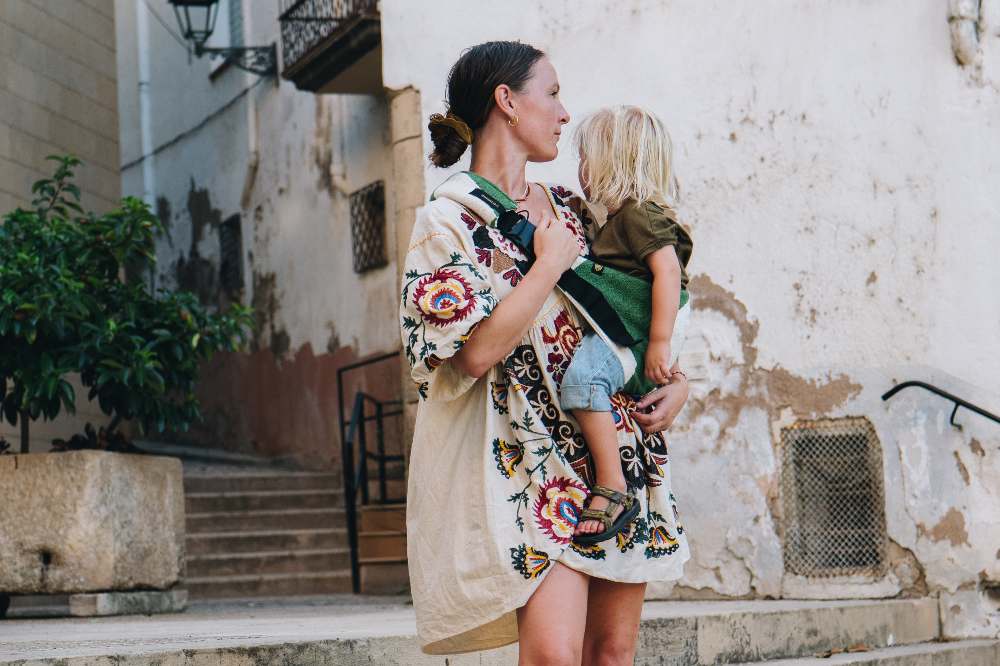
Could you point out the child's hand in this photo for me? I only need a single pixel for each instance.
(658, 362)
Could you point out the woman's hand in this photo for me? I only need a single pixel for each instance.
(555, 245)
(667, 402)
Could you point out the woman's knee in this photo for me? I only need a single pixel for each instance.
(612, 649)
(551, 653)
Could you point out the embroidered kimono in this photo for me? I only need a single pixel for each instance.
(498, 473)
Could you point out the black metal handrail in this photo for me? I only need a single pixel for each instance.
(354, 434)
(959, 402)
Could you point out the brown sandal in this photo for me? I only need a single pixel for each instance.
(612, 526)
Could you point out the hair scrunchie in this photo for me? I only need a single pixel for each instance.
(454, 122)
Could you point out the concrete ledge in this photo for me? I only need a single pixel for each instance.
(347, 629)
(127, 603)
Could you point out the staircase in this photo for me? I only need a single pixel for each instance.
(256, 533)
(263, 532)
(382, 549)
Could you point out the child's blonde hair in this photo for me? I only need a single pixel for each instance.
(627, 154)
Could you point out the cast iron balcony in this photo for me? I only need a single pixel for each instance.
(332, 46)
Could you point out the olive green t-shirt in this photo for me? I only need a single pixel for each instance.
(634, 232)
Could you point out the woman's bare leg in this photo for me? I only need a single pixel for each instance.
(550, 626)
(598, 429)
(613, 611)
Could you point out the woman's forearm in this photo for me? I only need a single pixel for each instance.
(497, 335)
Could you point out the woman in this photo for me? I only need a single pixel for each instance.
(498, 473)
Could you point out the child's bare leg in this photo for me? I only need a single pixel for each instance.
(599, 430)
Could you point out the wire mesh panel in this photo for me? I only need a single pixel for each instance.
(368, 227)
(833, 498)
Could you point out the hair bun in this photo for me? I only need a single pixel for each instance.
(451, 136)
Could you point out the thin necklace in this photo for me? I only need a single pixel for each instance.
(524, 197)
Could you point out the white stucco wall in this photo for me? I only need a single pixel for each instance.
(313, 151)
(838, 169)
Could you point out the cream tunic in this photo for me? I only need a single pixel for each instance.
(498, 473)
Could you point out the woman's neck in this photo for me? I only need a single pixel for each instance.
(495, 158)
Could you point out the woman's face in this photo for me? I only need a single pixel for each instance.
(539, 112)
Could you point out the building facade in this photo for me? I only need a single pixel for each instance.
(58, 95)
(837, 164)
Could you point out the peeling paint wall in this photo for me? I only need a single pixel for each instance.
(838, 165)
(225, 143)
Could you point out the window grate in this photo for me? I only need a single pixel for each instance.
(231, 256)
(368, 227)
(833, 499)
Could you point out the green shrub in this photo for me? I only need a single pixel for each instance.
(65, 306)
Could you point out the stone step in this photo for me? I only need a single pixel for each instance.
(208, 543)
(269, 585)
(384, 575)
(254, 521)
(382, 544)
(375, 517)
(224, 483)
(955, 653)
(270, 500)
(395, 489)
(269, 562)
(349, 629)
(754, 631)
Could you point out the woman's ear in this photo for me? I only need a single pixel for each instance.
(503, 96)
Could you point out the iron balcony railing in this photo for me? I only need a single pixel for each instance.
(305, 24)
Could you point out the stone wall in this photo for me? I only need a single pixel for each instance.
(58, 95)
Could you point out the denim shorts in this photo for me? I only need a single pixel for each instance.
(593, 376)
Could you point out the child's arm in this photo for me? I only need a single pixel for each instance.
(666, 269)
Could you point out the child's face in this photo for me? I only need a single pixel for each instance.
(581, 174)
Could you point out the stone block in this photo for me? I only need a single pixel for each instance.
(128, 603)
(406, 119)
(90, 521)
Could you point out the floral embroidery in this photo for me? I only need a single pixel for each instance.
(562, 343)
(444, 297)
(558, 506)
(660, 541)
(593, 551)
(561, 193)
(522, 369)
(492, 249)
(513, 276)
(507, 456)
(499, 394)
(470, 221)
(528, 561)
(621, 408)
(637, 532)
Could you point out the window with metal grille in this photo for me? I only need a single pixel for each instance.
(231, 256)
(833, 498)
(368, 227)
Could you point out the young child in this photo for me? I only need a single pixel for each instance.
(625, 165)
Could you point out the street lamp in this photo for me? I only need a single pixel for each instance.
(197, 22)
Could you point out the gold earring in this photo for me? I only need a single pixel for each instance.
(512, 121)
